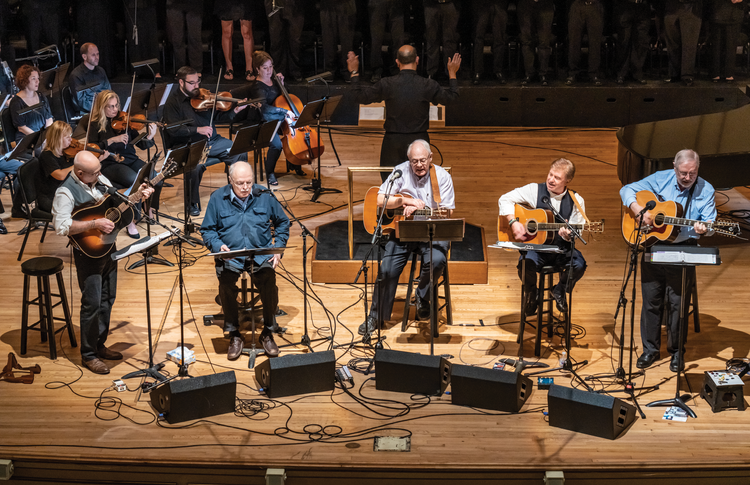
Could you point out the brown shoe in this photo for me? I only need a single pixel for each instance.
(266, 340)
(96, 366)
(235, 348)
(108, 354)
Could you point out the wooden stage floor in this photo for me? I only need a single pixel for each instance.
(70, 423)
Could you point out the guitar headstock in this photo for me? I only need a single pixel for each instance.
(594, 226)
(169, 167)
(726, 228)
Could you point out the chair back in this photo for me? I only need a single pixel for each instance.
(9, 131)
(29, 175)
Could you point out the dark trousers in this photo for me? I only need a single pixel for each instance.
(535, 19)
(393, 149)
(486, 13)
(382, 11)
(338, 18)
(273, 154)
(218, 153)
(182, 20)
(724, 41)
(396, 256)
(123, 174)
(284, 31)
(536, 261)
(42, 22)
(682, 26)
(264, 280)
(632, 23)
(590, 17)
(97, 280)
(656, 279)
(440, 17)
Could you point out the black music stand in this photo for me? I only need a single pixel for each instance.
(255, 138)
(678, 399)
(50, 81)
(252, 352)
(312, 114)
(187, 158)
(27, 144)
(431, 230)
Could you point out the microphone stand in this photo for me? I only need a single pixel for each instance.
(568, 365)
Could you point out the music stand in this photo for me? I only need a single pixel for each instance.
(252, 352)
(677, 400)
(312, 114)
(187, 159)
(27, 143)
(50, 81)
(256, 138)
(431, 230)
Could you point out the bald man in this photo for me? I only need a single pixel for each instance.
(97, 277)
(240, 215)
(407, 99)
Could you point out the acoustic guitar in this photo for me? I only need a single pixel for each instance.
(94, 243)
(667, 216)
(538, 228)
(371, 212)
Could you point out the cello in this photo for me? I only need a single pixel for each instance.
(301, 145)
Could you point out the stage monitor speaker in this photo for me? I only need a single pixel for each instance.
(488, 388)
(588, 412)
(408, 372)
(297, 374)
(195, 398)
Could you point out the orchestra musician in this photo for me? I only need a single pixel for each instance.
(122, 173)
(538, 196)
(265, 88)
(85, 73)
(178, 108)
(416, 180)
(240, 216)
(662, 283)
(27, 81)
(97, 277)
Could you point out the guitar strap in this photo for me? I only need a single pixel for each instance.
(578, 206)
(435, 185)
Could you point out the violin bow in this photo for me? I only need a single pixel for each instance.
(211, 122)
(88, 126)
(130, 104)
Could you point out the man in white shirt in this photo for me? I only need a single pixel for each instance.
(414, 178)
(538, 196)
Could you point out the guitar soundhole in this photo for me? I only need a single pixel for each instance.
(531, 227)
(113, 215)
(659, 219)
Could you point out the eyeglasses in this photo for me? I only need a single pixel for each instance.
(419, 161)
(242, 184)
(94, 174)
(687, 174)
(193, 83)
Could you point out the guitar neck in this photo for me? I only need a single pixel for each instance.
(554, 226)
(682, 222)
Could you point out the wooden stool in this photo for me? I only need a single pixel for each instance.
(42, 268)
(444, 282)
(544, 306)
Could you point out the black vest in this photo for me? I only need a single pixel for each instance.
(566, 209)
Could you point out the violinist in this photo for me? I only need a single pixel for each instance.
(265, 88)
(178, 108)
(27, 81)
(123, 173)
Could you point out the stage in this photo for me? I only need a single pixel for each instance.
(71, 426)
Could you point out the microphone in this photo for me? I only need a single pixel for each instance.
(396, 175)
(258, 190)
(649, 206)
(113, 191)
(545, 200)
(318, 77)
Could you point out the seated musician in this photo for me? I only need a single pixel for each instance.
(696, 196)
(240, 216)
(561, 173)
(265, 88)
(122, 173)
(86, 73)
(27, 80)
(97, 277)
(178, 108)
(417, 180)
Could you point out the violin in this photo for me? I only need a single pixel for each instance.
(76, 146)
(136, 122)
(301, 145)
(224, 101)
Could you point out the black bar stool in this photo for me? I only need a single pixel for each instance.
(544, 307)
(42, 268)
(444, 282)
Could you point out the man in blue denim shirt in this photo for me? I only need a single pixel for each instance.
(696, 196)
(240, 216)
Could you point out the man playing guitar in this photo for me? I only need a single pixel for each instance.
(555, 192)
(681, 185)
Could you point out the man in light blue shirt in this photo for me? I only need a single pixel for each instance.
(696, 196)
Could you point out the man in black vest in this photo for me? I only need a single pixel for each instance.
(539, 196)
(97, 277)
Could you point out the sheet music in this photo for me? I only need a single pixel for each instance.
(545, 248)
(167, 90)
(682, 257)
(127, 103)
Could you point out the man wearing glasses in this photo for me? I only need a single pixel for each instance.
(414, 178)
(660, 282)
(240, 216)
(178, 108)
(97, 277)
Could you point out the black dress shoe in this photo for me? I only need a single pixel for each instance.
(543, 80)
(673, 365)
(620, 80)
(368, 326)
(646, 360)
(671, 80)
(477, 79)
(3, 229)
(195, 210)
(423, 308)
(235, 347)
(597, 81)
(570, 81)
(266, 340)
(526, 81)
(560, 301)
(688, 81)
(531, 303)
(500, 78)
